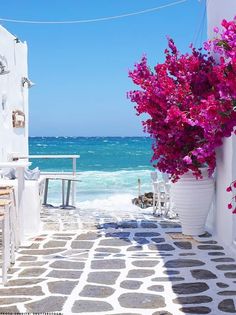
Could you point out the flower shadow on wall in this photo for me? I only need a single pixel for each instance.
(190, 101)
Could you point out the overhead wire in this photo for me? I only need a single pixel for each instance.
(199, 30)
(95, 19)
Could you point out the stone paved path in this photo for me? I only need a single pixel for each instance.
(125, 263)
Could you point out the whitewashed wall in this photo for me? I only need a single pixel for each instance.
(221, 219)
(15, 95)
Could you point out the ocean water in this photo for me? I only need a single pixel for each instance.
(109, 167)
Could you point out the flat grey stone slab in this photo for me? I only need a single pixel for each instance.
(145, 263)
(83, 306)
(66, 264)
(61, 287)
(32, 272)
(107, 250)
(227, 306)
(209, 242)
(103, 277)
(171, 272)
(156, 288)
(170, 225)
(108, 225)
(226, 267)
(183, 245)
(210, 247)
(158, 240)
(199, 299)
(230, 275)
(190, 288)
(203, 274)
(134, 248)
(140, 273)
(9, 310)
(223, 259)
(10, 300)
(196, 310)
(33, 263)
(128, 224)
(141, 240)
(141, 300)
(99, 255)
(216, 254)
(22, 282)
(108, 264)
(39, 252)
(148, 225)
(147, 234)
(161, 247)
(115, 242)
(90, 236)
(65, 274)
(30, 291)
(118, 234)
(183, 263)
(131, 284)
(96, 291)
(54, 243)
(222, 285)
(168, 279)
(49, 304)
(27, 258)
(229, 292)
(82, 244)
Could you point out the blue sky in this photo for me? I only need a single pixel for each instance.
(80, 70)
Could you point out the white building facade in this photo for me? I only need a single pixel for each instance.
(222, 221)
(13, 96)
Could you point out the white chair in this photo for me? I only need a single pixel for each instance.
(7, 192)
(154, 176)
(161, 193)
(8, 245)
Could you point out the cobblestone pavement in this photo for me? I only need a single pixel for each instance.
(125, 263)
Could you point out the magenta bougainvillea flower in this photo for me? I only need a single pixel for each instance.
(190, 100)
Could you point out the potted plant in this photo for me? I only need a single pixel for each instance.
(190, 108)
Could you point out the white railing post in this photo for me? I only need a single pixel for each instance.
(73, 183)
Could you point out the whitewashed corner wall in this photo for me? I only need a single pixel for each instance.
(222, 219)
(13, 96)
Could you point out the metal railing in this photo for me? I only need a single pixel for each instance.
(73, 173)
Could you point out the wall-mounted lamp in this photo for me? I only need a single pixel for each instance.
(17, 40)
(3, 69)
(25, 81)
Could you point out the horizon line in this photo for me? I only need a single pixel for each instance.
(89, 137)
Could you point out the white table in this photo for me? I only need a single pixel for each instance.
(19, 166)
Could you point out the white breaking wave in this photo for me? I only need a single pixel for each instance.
(105, 189)
(116, 202)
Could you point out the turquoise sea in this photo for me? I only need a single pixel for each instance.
(109, 167)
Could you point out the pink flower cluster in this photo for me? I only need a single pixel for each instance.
(233, 200)
(190, 101)
(224, 43)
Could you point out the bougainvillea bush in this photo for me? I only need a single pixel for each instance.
(189, 99)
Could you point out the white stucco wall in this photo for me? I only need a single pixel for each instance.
(16, 96)
(222, 220)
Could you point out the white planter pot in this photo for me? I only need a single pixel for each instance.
(192, 200)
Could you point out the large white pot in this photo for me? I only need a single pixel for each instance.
(192, 200)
